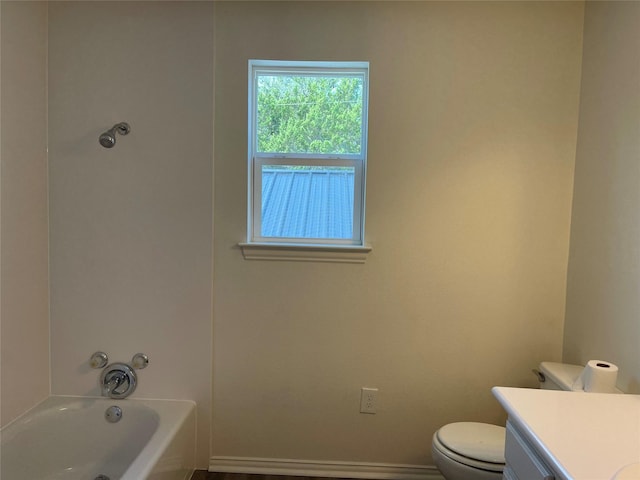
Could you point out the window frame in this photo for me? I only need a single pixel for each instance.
(258, 160)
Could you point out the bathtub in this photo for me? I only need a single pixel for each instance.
(69, 438)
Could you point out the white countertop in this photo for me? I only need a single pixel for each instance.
(584, 436)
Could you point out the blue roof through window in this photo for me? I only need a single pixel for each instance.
(307, 202)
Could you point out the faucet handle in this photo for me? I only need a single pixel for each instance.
(112, 381)
(99, 360)
(118, 380)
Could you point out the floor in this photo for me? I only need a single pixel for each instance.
(204, 475)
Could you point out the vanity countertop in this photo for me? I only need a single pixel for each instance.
(583, 436)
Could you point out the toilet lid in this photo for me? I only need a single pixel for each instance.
(630, 472)
(479, 441)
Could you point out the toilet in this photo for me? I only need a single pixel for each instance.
(475, 451)
(469, 451)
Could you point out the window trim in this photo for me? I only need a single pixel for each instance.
(257, 160)
(305, 252)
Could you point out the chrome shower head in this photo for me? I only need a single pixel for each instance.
(108, 138)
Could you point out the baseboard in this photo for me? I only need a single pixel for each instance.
(312, 468)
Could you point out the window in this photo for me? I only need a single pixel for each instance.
(307, 152)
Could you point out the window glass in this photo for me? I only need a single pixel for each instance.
(307, 152)
(309, 114)
(307, 202)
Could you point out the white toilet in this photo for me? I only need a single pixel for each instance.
(475, 451)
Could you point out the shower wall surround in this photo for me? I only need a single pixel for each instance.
(25, 286)
(131, 226)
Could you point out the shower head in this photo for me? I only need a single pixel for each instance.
(108, 138)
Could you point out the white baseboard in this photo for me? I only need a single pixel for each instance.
(312, 468)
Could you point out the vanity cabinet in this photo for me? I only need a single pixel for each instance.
(557, 435)
(522, 460)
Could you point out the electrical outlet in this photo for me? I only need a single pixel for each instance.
(368, 400)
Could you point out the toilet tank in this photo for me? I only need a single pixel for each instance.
(558, 376)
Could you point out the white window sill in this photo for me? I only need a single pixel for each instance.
(305, 253)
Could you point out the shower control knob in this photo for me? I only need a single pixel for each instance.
(118, 380)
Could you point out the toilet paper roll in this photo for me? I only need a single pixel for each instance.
(599, 376)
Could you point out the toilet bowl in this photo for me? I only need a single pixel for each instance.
(475, 451)
(469, 451)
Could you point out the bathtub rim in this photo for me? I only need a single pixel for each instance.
(94, 397)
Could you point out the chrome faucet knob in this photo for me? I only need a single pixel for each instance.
(113, 380)
(118, 380)
(139, 361)
(99, 360)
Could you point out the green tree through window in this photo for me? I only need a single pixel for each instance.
(309, 114)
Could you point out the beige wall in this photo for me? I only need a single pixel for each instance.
(603, 304)
(472, 131)
(131, 267)
(24, 357)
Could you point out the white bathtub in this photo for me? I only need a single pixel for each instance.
(68, 438)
